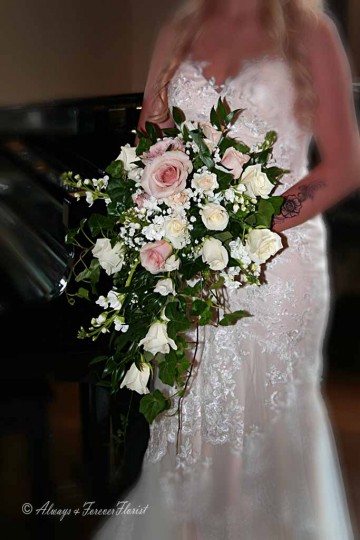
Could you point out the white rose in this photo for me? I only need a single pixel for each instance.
(165, 287)
(205, 182)
(157, 339)
(111, 259)
(176, 231)
(214, 254)
(136, 379)
(214, 216)
(172, 263)
(256, 182)
(261, 244)
(128, 156)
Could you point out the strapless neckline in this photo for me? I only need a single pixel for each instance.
(246, 64)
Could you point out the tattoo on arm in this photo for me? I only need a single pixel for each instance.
(292, 204)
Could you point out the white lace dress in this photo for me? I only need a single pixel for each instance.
(258, 458)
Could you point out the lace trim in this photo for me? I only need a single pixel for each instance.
(246, 64)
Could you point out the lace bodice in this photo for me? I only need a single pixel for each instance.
(264, 88)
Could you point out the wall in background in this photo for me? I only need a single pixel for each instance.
(78, 48)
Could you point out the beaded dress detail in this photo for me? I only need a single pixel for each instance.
(257, 457)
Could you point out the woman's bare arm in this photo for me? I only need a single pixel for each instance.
(336, 134)
(160, 56)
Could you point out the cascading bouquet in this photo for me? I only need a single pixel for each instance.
(187, 215)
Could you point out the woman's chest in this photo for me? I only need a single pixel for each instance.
(262, 87)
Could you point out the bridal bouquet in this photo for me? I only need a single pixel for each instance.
(186, 215)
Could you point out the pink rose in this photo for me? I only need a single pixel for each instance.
(166, 174)
(159, 148)
(139, 199)
(211, 133)
(153, 255)
(234, 160)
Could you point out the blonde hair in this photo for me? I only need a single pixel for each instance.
(282, 19)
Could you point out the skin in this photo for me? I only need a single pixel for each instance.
(335, 129)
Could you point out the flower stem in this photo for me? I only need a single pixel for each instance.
(132, 272)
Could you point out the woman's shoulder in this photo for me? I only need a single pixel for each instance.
(322, 38)
(328, 60)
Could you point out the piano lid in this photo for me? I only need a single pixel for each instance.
(37, 143)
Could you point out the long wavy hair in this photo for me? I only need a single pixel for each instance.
(283, 20)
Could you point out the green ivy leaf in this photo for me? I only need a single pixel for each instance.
(120, 195)
(115, 169)
(153, 404)
(143, 145)
(275, 173)
(83, 293)
(232, 318)
(167, 369)
(223, 236)
(205, 317)
(178, 319)
(190, 268)
(224, 179)
(87, 273)
(72, 233)
(276, 202)
(98, 223)
(198, 307)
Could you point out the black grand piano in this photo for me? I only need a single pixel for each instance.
(38, 327)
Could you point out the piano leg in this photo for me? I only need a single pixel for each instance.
(42, 490)
(96, 438)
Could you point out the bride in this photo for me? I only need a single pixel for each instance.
(258, 457)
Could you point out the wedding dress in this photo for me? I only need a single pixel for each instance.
(257, 457)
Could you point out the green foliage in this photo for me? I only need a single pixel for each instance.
(115, 169)
(231, 318)
(178, 116)
(152, 404)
